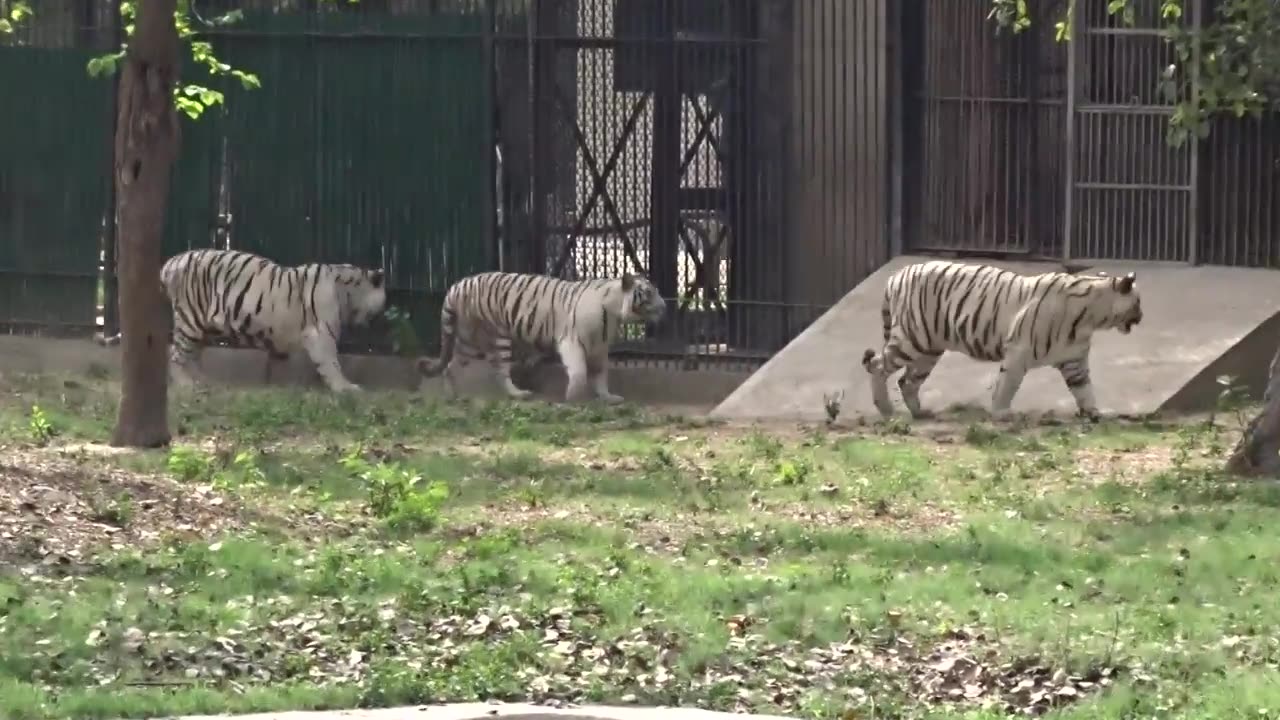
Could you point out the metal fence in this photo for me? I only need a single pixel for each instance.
(756, 158)
(1021, 145)
(734, 150)
(55, 177)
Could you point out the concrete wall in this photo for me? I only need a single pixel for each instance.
(839, 137)
(691, 390)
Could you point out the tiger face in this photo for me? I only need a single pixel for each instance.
(1126, 303)
(366, 293)
(642, 301)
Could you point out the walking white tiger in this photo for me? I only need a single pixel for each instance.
(577, 319)
(1020, 321)
(254, 302)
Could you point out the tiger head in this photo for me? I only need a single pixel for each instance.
(641, 301)
(364, 291)
(1126, 303)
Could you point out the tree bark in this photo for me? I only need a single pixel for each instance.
(147, 139)
(1258, 452)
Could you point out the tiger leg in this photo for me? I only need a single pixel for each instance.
(574, 358)
(463, 354)
(1012, 370)
(502, 363)
(598, 374)
(273, 358)
(917, 372)
(184, 360)
(323, 351)
(1075, 373)
(880, 367)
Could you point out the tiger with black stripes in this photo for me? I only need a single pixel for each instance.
(1019, 321)
(256, 303)
(492, 312)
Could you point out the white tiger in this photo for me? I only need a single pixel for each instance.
(577, 319)
(1020, 321)
(254, 302)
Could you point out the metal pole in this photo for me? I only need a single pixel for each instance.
(488, 216)
(110, 281)
(532, 237)
(1069, 140)
(1193, 197)
(898, 88)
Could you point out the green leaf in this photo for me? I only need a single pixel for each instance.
(210, 97)
(190, 107)
(19, 11)
(248, 81)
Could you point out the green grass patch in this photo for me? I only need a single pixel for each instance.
(297, 550)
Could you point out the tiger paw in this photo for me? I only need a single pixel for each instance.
(1002, 415)
(611, 399)
(1092, 415)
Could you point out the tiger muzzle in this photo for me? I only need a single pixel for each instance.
(1129, 320)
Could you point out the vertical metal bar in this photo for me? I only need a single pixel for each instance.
(532, 255)
(488, 215)
(1069, 138)
(1033, 207)
(898, 85)
(110, 284)
(1193, 199)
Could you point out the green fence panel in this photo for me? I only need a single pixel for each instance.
(193, 196)
(55, 153)
(364, 147)
(272, 149)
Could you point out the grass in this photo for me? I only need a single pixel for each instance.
(295, 550)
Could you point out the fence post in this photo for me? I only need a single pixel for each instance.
(1069, 139)
(1193, 169)
(110, 286)
(897, 88)
(535, 254)
(489, 200)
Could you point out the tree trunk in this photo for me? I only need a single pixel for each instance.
(1258, 452)
(147, 139)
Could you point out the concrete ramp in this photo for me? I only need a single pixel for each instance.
(1199, 323)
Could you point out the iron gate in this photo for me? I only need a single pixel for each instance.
(1130, 195)
(982, 129)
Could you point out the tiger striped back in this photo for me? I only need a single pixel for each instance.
(995, 315)
(542, 313)
(980, 309)
(254, 302)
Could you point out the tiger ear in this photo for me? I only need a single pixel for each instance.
(1125, 286)
(376, 277)
(628, 282)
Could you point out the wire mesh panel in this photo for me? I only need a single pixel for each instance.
(365, 144)
(984, 127)
(54, 169)
(735, 151)
(838, 187)
(1133, 194)
(669, 138)
(1240, 192)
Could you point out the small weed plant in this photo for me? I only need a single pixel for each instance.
(244, 471)
(39, 427)
(404, 337)
(118, 511)
(397, 495)
(190, 464)
(831, 404)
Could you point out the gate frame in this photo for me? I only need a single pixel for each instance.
(1077, 66)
